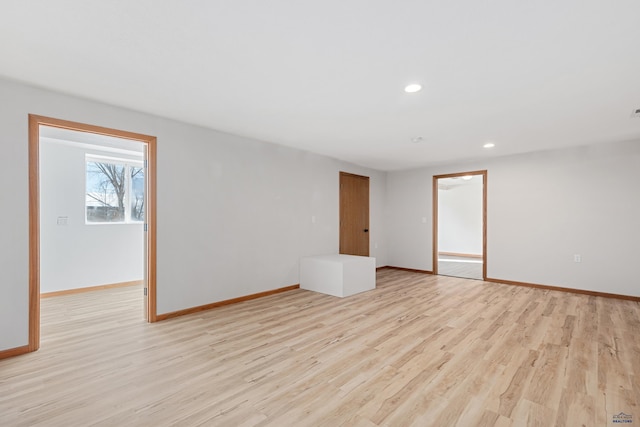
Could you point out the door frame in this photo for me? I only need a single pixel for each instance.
(35, 122)
(484, 217)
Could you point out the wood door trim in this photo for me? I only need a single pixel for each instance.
(434, 225)
(17, 351)
(90, 289)
(34, 233)
(410, 270)
(562, 289)
(35, 121)
(434, 195)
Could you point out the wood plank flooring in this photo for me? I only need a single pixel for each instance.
(419, 350)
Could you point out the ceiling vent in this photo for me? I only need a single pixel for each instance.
(636, 113)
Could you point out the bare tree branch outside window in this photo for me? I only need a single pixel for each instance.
(107, 190)
(137, 194)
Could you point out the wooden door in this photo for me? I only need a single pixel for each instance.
(354, 214)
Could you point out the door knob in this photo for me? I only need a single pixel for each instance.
(366, 230)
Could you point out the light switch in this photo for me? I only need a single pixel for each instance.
(63, 220)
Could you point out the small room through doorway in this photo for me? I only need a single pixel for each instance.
(91, 216)
(460, 225)
(91, 212)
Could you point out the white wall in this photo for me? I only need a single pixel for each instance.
(79, 255)
(460, 217)
(409, 219)
(542, 209)
(250, 225)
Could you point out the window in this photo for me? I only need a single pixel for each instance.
(137, 193)
(115, 190)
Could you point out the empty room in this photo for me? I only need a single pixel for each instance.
(337, 213)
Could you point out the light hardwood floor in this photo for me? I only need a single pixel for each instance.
(419, 350)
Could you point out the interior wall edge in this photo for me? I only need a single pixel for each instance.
(411, 270)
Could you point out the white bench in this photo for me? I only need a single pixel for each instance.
(338, 275)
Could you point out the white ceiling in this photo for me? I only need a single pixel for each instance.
(328, 76)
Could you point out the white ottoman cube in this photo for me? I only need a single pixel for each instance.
(338, 275)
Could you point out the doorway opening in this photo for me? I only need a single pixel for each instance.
(117, 178)
(459, 226)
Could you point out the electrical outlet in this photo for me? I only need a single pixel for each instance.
(577, 258)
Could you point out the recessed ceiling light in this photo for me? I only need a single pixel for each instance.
(413, 87)
(489, 145)
(417, 139)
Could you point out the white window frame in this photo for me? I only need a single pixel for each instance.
(128, 164)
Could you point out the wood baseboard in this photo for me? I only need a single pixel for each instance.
(14, 351)
(91, 288)
(561, 289)
(460, 254)
(412, 270)
(192, 310)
